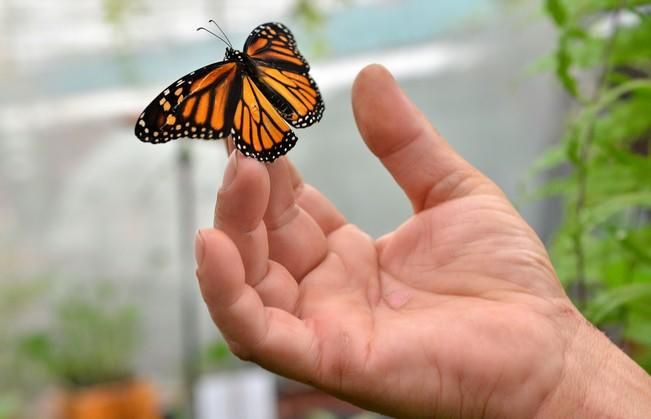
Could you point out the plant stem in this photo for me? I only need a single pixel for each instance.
(580, 292)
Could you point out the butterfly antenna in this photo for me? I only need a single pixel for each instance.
(220, 30)
(215, 35)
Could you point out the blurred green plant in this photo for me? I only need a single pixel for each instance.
(216, 356)
(9, 407)
(313, 16)
(116, 12)
(602, 250)
(91, 340)
(16, 380)
(310, 13)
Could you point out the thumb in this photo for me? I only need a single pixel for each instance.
(419, 159)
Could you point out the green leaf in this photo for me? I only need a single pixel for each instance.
(641, 253)
(572, 151)
(564, 66)
(564, 186)
(552, 157)
(615, 273)
(639, 329)
(544, 64)
(616, 204)
(557, 11)
(624, 123)
(611, 300)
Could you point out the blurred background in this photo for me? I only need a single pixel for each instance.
(100, 315)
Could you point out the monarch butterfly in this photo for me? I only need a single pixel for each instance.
(253, 95)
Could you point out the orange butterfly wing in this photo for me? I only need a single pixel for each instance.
(295, 95)
(198, 105)
(258, 129)
(283, 74)
(274, 44)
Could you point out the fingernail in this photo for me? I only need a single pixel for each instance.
(198, 248)
(231, 169)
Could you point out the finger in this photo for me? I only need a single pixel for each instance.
(241, 203)
(419, 159)
(326, 215)
(229, 146)
(278, 288)
(271, 337)
(295, 240)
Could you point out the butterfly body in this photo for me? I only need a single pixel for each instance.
(255, 95)
(244, 63)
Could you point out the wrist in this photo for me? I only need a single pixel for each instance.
(599, 380)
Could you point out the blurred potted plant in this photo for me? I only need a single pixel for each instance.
(88, 349)
(226, 377)
(219, 393)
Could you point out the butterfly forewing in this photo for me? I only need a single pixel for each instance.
(197, 105)
(274, 44)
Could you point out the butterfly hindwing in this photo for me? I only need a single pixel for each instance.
(295, 95)
(258, 129)
(283, 74)
(198, 105)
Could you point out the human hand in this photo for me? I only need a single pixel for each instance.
(456, 313)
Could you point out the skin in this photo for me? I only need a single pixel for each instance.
(456, 313)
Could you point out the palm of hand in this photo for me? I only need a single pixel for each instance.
(446, 289)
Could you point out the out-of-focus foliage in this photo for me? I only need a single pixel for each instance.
(313, 16)
(602, 251)
(15, 380)
(91, 339)
(309, 12)
(116, 11)
(216, 356)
